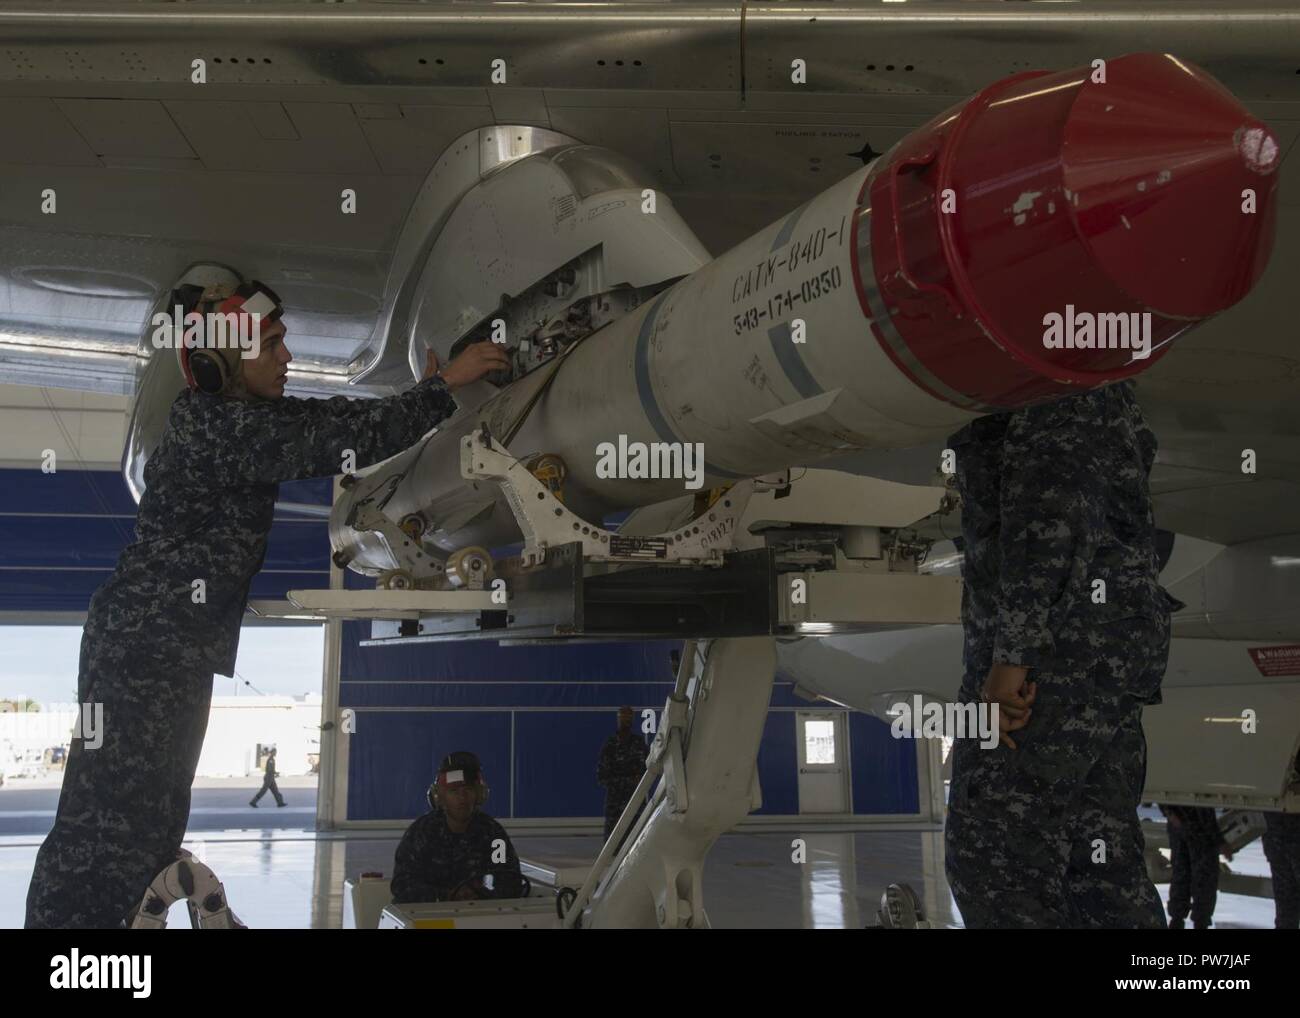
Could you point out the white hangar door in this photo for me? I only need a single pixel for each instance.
(823, 762)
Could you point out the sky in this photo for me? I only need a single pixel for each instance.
(40, 662)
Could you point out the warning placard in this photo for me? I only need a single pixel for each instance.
(1276, 660)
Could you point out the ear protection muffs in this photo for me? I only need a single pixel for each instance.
(208, 367)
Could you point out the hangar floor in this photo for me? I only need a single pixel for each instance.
(291, 879)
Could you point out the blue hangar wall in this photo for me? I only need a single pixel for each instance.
(61, 534)
(537, 716)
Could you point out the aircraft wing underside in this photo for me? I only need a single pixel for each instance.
(151, 170)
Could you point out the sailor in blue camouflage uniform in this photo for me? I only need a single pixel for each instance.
(1067, 631)
(621, 765)
(169, 616)
(456, 852)
(1282, 850)
(1194, 847)
(268, 783)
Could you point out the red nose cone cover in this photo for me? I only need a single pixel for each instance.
(1066, 199)
(1162, 162)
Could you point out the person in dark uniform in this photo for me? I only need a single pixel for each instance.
(268, 783)
(1195, 845)
(169, 616)
(1067, 633)
(456, 852)
(621, 765)
(1282, 850)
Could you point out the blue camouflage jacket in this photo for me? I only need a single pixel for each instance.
(210, 492)
(1053, 498)
(621, 764)
(432, 861)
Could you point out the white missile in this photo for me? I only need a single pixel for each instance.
(1050, 235)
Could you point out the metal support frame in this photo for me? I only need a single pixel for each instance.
(407, 551)
(704, 757)
(331, 795)
(547, 522)
(567, 596)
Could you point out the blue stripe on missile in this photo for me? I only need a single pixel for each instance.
(645, 391)
(787, 228)
(643, 387)
(786, 350)
(787, 355)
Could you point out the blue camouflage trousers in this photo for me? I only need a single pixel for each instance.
(1047, 836)
(1282, 849)
(1194, 877)
(125, 804)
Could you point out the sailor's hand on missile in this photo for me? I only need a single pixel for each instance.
(1007, 686)
(475, 361)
